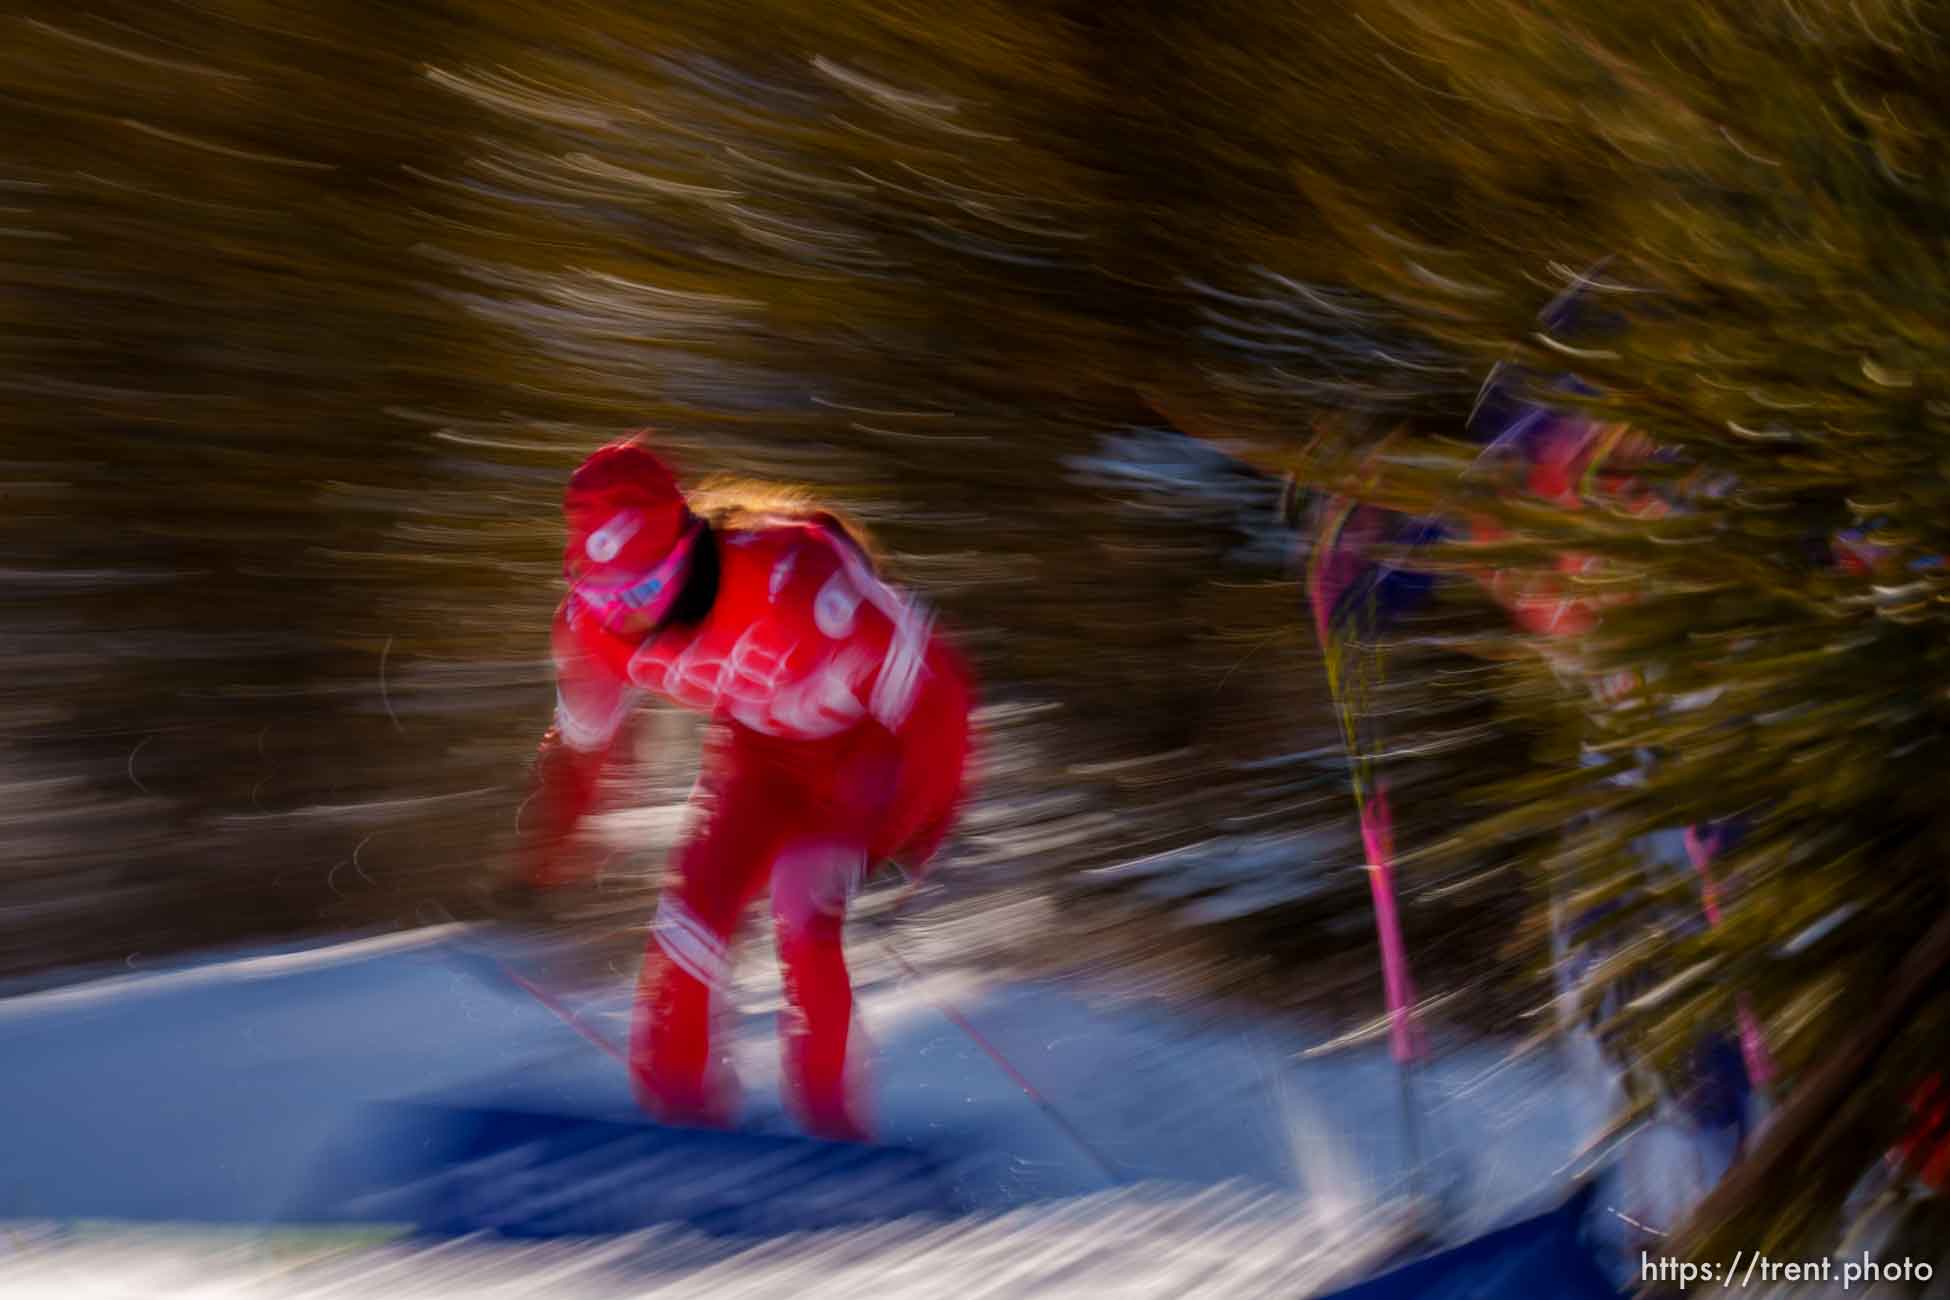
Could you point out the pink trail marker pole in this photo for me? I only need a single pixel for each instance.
(1377, 837)
(1753, 1047)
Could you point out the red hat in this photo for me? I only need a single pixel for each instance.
(630, 533)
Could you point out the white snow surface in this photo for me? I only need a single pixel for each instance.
(1225, 1242)
(1246, 1165)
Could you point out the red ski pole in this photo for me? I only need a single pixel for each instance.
(953, 1014)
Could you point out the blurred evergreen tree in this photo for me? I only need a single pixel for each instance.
(1766, 187)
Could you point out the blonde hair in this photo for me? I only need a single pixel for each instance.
(733, 504)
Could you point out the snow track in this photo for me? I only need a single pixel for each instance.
(182, 1112)
(1142, 1242)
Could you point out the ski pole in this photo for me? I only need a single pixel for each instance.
(555, 1007)
(547, 1000)
(953, 1014)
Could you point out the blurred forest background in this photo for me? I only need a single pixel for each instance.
(306, 311)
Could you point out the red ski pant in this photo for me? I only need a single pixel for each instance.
(807, 834)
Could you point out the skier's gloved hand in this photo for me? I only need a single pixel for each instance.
(547, 863)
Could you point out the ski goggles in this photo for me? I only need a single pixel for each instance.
(615, 599)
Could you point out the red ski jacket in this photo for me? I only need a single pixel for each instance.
(828, 681)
